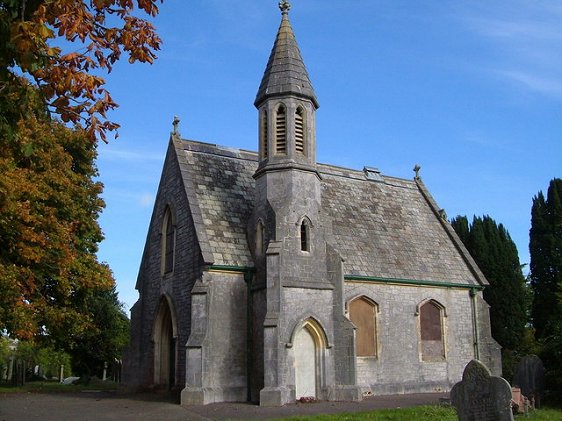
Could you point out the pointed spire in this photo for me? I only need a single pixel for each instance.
(285, 72)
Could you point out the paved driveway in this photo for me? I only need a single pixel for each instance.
(87, 406)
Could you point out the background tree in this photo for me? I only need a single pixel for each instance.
(26, 351)
(53, 291)
(61, 46)
(496, 254)
(545, 247)
(50, 361)
(50, 278)
(107, 340)
(5, 354)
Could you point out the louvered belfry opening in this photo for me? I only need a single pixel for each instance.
(299, 130)
(281, 130)
(264, 134)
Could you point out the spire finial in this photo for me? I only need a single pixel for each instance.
(176, 123)
(417, 169)
(285, 6)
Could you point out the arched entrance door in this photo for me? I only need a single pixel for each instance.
(309, 346)
(164, 347)
(306, 371)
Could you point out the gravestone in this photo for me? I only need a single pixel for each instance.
(481, 396)
(529, 377)
(18, 374)
(519, 403)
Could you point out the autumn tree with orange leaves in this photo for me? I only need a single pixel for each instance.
(53, 111)
(62, 47)
(49, 205)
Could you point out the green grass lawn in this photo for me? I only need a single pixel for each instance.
(423, 413)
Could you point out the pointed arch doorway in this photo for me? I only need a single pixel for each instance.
(309, 343)
(164, 337)
(305, 364)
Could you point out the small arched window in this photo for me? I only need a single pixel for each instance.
(299, 130)
(264, 134)
(305, 235)
(168, 242)
(363, 314)
(260, 238)
(431, 331)
(281, 130)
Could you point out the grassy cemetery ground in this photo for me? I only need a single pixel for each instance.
(423, 413)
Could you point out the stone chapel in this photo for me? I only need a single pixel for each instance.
(268, 277)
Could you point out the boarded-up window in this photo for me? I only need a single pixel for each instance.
(362, 313)
(431, 327)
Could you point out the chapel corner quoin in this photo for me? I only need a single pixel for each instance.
(268, 277)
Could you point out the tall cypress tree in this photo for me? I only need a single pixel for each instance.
(496, 254)
(545, 247)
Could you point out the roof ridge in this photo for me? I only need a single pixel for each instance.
(455, 239)
(193, 202)
(197, 146)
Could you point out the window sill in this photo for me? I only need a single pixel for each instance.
(434, 360)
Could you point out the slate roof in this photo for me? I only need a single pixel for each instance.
(388, 228)
(220, 190)
(285, 72)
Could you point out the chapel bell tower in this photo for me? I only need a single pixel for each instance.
(287, 105)
(298, 326)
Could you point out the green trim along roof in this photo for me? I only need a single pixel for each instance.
(416, 282)
(351, 278)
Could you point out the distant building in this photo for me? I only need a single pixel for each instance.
(270, 277)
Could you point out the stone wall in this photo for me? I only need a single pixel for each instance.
(301, 304)
(152, 285)
(217, 349)
(258, 317)
(489, 349)
(398, 367)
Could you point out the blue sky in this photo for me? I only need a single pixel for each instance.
(469, 90)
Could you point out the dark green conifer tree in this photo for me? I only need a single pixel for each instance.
(496, 254)
(545, 247)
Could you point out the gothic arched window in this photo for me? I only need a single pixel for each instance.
(431, 316)
(168, 242)
(305, 235)
(363, 314)
(260, 238)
